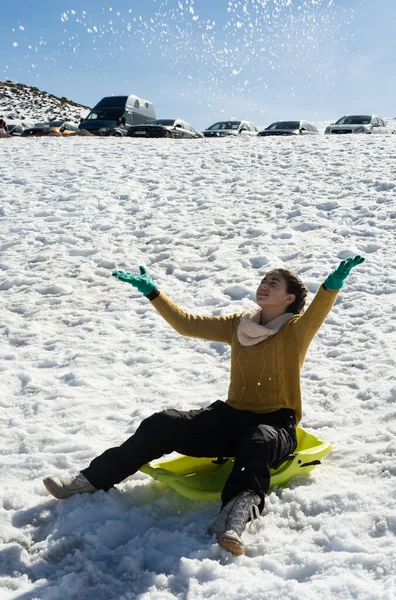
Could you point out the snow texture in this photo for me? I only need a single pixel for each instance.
(84, 358)
(20, 103)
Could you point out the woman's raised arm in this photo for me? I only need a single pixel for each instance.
(216, 329)
(306, 326)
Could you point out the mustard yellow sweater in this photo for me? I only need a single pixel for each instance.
(264, 377)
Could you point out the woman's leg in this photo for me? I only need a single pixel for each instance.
(263, 447)
(196, 433)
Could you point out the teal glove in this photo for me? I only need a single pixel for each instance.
(143, 282)
(336, 279)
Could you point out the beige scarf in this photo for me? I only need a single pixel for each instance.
(250, 332)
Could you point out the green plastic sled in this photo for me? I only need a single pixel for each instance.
(204, 478)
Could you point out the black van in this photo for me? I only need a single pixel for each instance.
(113, 115)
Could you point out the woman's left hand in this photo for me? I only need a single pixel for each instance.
(336, 279)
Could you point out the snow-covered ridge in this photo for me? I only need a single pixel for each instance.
(23, 103)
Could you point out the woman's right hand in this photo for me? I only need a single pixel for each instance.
(143, 282)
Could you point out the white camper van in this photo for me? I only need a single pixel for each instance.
(113, 115)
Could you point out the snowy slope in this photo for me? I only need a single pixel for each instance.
(22, 103)
(84, 358)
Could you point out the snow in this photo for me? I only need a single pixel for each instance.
(23, 104)
(84, 358)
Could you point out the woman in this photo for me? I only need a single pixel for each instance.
(257, 423)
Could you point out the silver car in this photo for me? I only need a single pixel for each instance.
(359, 124)
(290, 128)
(227, 128)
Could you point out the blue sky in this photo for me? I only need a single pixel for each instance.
(204, 60)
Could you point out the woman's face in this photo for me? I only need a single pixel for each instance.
(272, 292)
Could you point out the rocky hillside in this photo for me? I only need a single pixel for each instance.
(23, 103)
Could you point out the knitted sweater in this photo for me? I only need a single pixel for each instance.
(264, 377)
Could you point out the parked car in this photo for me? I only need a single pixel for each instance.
(224, 128)
(170, 128)
(359, 124)
(113, 115)
(59, 126)
(290, 128)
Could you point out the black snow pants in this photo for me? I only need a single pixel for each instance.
(258, 441)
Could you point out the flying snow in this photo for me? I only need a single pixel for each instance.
(249, 40)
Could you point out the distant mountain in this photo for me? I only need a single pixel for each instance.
(23, 103)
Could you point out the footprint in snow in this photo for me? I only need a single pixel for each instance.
(88, 252)
(237, 292)
(259, 261)
(370, 248)
(53, 290)
(306, 227)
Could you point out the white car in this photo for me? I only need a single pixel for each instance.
(227, 128)
(359, 124)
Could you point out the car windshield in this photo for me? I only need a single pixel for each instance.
(50, 124)
(354, 120)
(284, 125)
(111, 102)
(166, 122)
(224, 125)
(106, 114)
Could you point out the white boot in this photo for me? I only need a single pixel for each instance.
(231, 522)
(63, 487)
